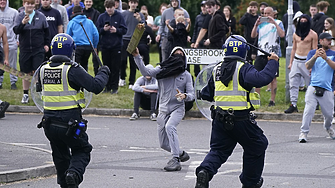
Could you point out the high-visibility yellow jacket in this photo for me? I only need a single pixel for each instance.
(57, 94)
(234, 96)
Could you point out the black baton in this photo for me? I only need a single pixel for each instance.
(266, 53)
(95, 53)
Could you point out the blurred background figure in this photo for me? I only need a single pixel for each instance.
(155, 28)
(230, 20)
(330, 28)
(149, 19)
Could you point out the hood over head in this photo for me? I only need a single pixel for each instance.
(7, 5)
(182, 49)
(179, 1)
(303, 28)
(296, 7)
(297, 15)
(55, 3)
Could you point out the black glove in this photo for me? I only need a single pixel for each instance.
(104, 69)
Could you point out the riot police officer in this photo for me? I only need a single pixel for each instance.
(231, 87)
(61, 82)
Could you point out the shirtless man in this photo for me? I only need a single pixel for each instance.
(5, 50)
(304, 40)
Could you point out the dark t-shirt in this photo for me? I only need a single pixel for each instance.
(54, 19)
(206, 24)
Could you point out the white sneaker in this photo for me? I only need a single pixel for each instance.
(25, 99)
(133, 117)
(153, 117)
(331, 133)
(130, 86)
(333, 122)
(303, 137)
(122, 83)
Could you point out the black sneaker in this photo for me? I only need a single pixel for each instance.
(258, 185)
(271, 103)
(13, 87)
(184, 157)
(3, 107)
(291, 109)
(202, 179)
(303, 89)
(173, 165)
(0, 86)
(71, 179)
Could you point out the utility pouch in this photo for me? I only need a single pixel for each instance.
(76, 129)
(72, 126)
(319, 91)
(45, 123)
(227, 118)
(213, 112)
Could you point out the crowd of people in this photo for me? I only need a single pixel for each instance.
(35, 29)
(111, 31)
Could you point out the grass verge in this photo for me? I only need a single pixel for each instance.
(124, 99)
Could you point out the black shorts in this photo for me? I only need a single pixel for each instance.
(30, 61)
(260, 63)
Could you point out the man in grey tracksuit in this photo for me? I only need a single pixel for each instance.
(7, 18)
(163, 31)
(173, 91)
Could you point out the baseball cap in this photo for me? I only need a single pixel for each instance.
(325, 36)
(264, 3)
(203, 3)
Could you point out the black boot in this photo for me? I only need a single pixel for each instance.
(258, 185)
(72, 179)
(202, 179)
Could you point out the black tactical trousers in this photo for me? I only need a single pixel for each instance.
(65, 160)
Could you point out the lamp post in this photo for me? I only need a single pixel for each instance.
(288, 48)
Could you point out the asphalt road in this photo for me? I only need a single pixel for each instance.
(126, 154)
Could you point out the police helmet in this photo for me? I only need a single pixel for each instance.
(62, 44)
(236, 45)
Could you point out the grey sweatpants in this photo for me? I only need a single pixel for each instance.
(167, 130)
(298, 71)
(326, 103)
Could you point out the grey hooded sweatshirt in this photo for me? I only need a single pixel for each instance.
(63, 13)
(168, 14)
(7, 18)
(167, 87)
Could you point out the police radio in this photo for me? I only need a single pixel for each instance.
(76, 129)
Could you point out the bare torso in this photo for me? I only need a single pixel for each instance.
(304, 46)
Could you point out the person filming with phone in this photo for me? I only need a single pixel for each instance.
(320, 89)
(269, 32)
(111, 26)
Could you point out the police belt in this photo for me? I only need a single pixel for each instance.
(59, 124)
(218, 113)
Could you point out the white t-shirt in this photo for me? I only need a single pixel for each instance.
(268, 38)
(150, 20)
(333, 41)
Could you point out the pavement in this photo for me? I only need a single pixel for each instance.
(21, 162)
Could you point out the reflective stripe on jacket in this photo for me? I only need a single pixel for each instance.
(234, 96)
(57, 94)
